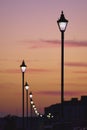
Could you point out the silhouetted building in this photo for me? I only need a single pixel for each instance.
(74, 111)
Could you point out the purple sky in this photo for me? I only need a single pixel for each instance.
(29, 31)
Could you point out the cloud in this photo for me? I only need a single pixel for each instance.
(76, 64)
(39, 70)
(52, 42)
(52, 93)
(7, 85)
(34, 44)
(42, 43)
(57, 93)
(81, 72)
(10, 71)
(76, 43)
(31, 70)
(67, 43)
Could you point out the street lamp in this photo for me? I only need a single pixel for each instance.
(33, 105)
(27, 87)
(62, 24)
(31, 102)
(30, 95)
(23, 68)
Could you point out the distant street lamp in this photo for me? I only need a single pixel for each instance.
(27, 87)
(23, 68)
(30, 94)
(62, 24)
(31, 103)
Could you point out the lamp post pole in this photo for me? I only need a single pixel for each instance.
(62, 24)
(23, 97)
(26, 87)
(62, 67)
(31, 103)
(23, 68)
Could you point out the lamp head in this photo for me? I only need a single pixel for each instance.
(30, 94)
(62, 22)
(23, 66)
(33, 105)
(26, 86)
(31, 101)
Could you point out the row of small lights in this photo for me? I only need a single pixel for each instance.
(34, 106)
(49, 115)
(32, 102)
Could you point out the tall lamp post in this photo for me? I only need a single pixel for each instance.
(62, 24)
(23, 68)
(27, 87)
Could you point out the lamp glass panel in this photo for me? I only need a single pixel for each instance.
(27, 87)
(62, 26)
(30, 95)
(23, 68)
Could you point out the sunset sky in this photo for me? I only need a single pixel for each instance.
(29, 31)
